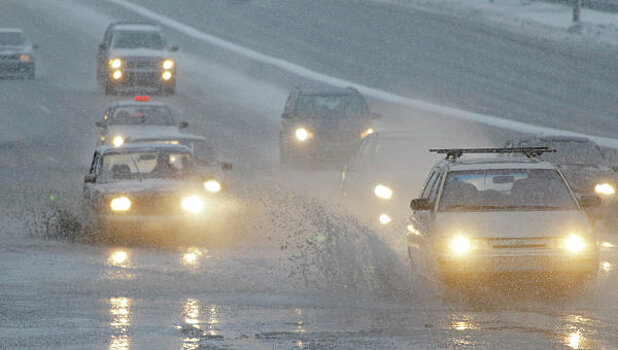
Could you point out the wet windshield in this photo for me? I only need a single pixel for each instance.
(137, 40)
(142, 115)
(330, 106)
(144, 165)
(571, 153)
(521, 189)
(12, 39)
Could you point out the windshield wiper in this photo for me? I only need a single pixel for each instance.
(139, 173)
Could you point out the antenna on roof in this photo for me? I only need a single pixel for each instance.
(456, 153)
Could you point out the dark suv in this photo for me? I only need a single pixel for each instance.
(323, 126)
(134, 56)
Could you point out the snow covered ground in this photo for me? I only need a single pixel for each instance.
(549, 20)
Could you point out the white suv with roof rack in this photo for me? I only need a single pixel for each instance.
(478, 218)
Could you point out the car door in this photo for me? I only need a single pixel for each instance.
(421, 221)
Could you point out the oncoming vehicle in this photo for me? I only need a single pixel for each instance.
(134, 56)
(487, 217)
(16, 54)
(139, 187)
(125, 118)
(379, 178)
(323, 126)
(584, 166)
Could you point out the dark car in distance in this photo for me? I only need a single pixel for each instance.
(16, 54)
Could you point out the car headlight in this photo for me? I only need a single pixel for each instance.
(193, 204)
(605, 189)
(115, 63)
(385, 219)
(574, 244)
(118, 141)
(383, 192)
(25, 58)
(302, 134)
(167, 75)
(120, 204)
(117, 75)
(213, 186)
(460, 245)
(168, 64)
(367, 132)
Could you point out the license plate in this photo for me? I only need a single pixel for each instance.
(520, 263)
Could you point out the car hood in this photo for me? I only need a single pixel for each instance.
(146, 186)
(512, 224)
(584, 178)
(139, 53)
(142, 130)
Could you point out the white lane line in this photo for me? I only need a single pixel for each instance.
(380, 94)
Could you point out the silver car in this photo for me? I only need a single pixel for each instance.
(479, 218)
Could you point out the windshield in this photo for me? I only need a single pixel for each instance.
(144, 165)
(201, 149)
(142, 115)
(571, 152)
(331, 106)
(137, 40)
(519, 189)
(12, 39)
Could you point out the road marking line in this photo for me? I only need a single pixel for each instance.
(380, 94)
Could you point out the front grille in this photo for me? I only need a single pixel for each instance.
(142, 63)
(9, 57)
(520, 243)
(155, 204)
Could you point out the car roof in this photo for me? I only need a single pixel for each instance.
(163, 136)
(142, 147)
(11, 30)
(493, 163)
(558, 138)
(331, 90)
(129, 103)
(141, 27)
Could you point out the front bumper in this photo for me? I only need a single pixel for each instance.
(15, 68)
(139, 78)
(519, 262)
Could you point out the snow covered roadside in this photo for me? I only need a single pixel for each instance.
(536, 18)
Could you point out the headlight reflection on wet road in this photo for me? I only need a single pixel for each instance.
(120, 312)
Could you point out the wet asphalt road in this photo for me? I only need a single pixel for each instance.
(271, 280)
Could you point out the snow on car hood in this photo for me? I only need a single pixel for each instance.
(139, 53)
(512, 224)
(147, 186)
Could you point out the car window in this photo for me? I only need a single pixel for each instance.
(330, 106)
(142, 115)
(151, 164)
(12, 39)
(506, 189)
(429, 185)
(137, 40)
(433, 192)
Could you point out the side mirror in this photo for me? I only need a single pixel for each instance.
(89, 178)
(286, 115)
(35, 46)
(420, 204)
(100, 124)
(226, 166)
(183, 125)
(376, 115)
(174, 48)
(589, 201)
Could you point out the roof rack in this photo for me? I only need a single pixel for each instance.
(456, 153)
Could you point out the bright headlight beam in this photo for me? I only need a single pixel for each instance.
(383, 192)
(118, 141)
(168, 64)
(213, 186)
(117, 75)
(115, 63)
(605, 189)
(166, 75)
(193, 204)
(575, 244)
(385, 219)
(367, 132)
(301, 134)
(460, 245)
(120, 204)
